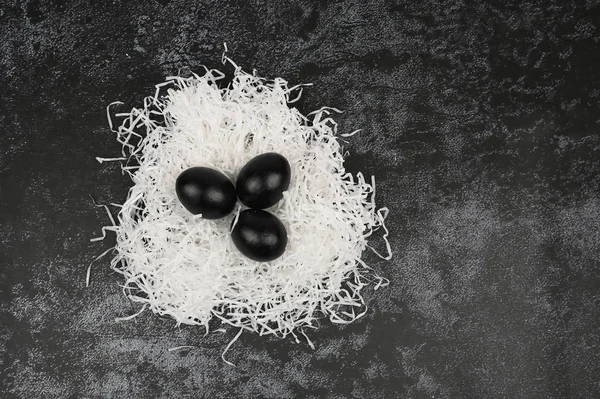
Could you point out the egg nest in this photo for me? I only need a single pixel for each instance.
(180, 265)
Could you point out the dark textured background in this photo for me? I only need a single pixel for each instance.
(480, 122)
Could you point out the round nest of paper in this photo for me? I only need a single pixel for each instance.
(183, 266)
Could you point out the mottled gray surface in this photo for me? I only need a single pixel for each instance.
(480, 121)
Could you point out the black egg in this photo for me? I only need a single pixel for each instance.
(259, 235)
(262, 181)
(206, 191)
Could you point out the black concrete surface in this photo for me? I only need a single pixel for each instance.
(481, 122)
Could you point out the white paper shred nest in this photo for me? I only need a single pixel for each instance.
(183, 266)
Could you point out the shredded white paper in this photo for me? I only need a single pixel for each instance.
(183, 266)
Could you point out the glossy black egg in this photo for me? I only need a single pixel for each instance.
(262, 181)
(259, 235)
(206, 191)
